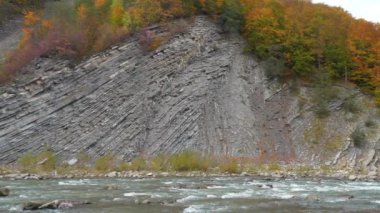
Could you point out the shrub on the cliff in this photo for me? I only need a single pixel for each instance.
(104, 163)
(84, 160)
(138, 164)
(274, 68)
(370, 123)
(322, 110)
(159, 163)
(189, 161)
(350, 105)
(47, 160)
(122, 167)
(323, 95)
(27, 162)
(359, 137)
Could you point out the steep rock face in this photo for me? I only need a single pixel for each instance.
(199, 91)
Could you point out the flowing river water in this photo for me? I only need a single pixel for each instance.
(208, 194)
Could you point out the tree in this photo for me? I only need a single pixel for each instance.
(117, 12)
(232, 17)
(363, 40)
(264, 30)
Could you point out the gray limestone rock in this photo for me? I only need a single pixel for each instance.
(199, 91)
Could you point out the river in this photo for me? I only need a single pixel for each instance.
(216, 194)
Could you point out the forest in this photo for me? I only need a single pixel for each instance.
(297, 39)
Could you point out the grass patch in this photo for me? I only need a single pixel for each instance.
(326, 169)
(307, 170)
(316, 132)
(273, 167)
(159, 163)
(334, 143)
(138, 164)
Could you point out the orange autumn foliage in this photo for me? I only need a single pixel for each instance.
(308, 40)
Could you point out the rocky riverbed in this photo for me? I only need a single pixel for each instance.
(189, 194)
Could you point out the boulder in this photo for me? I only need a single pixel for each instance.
(352, 177)
(182, 186)
(268, 186)
(112, 174)
(372, 174)
(72, 162)
(167, 202)
(30, 206)
(4, 192)
(50, 205)
(146, 202)
(244, 174)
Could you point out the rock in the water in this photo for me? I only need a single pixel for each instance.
(55, 204)
(32, 205)
(4, 192)
(268, 186)
(50, 205)
(111, 187)
(65, 205)
(182, 186)
(168, 202)
(146, 202)
(313, 198)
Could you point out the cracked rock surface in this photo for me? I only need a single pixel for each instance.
(200, 91)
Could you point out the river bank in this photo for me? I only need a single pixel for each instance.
(277, 175)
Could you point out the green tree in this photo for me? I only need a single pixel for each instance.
(232, 17)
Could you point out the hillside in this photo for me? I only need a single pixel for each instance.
(199, 91)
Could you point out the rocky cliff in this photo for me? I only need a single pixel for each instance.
(199, 91)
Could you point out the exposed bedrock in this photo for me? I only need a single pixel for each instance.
(200, 91)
